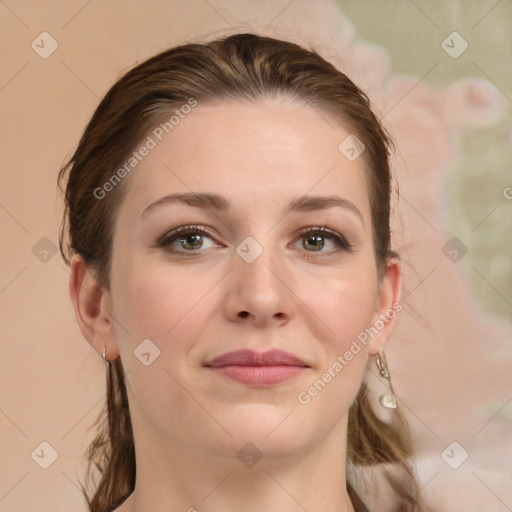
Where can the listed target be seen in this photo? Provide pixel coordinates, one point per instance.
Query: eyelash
(168, 237)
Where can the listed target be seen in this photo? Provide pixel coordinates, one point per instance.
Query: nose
(259, 293)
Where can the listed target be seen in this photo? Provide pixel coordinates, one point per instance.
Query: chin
(271, 428)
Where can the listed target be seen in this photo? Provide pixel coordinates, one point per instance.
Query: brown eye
(194, 241)
(189, 238)
(314, 240)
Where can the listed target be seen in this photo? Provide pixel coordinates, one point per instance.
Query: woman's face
(256, 281)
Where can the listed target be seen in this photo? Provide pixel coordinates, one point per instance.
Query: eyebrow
(220, 203)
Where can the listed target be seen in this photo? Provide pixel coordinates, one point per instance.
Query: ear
(387, 305)
(92, 304)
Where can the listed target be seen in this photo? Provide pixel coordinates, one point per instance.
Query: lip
(258, 368)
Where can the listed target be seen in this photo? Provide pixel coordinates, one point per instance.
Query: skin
(189, 422)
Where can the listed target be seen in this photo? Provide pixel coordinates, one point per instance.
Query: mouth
(260, 369)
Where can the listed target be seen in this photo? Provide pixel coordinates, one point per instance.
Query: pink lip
(258, 368)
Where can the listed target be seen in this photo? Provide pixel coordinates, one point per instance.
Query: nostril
(244, 314)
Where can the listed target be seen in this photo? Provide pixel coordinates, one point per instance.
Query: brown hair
(244, 67)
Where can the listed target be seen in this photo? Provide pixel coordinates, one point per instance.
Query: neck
(183, 477)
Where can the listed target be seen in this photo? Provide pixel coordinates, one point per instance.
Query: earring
(388, 401)
(104, 355)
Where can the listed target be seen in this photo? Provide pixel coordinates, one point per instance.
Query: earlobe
(92, 306)
(387, 305)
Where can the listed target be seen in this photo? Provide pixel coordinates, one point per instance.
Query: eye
(192, 238)
(186, 239)
(314, 240)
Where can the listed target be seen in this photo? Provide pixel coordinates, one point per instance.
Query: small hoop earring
(388, 401)
(104, 355)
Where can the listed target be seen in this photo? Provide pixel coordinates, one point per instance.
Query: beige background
(451, 119)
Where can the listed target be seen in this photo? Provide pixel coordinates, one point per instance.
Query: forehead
(277, 147)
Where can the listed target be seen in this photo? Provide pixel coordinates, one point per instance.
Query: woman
(228, 217)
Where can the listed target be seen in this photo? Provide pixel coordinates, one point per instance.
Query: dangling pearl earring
(388, 401)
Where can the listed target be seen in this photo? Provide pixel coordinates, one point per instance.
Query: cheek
(344, 309)
(342, 304)
(162, 304)
(341, 308)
